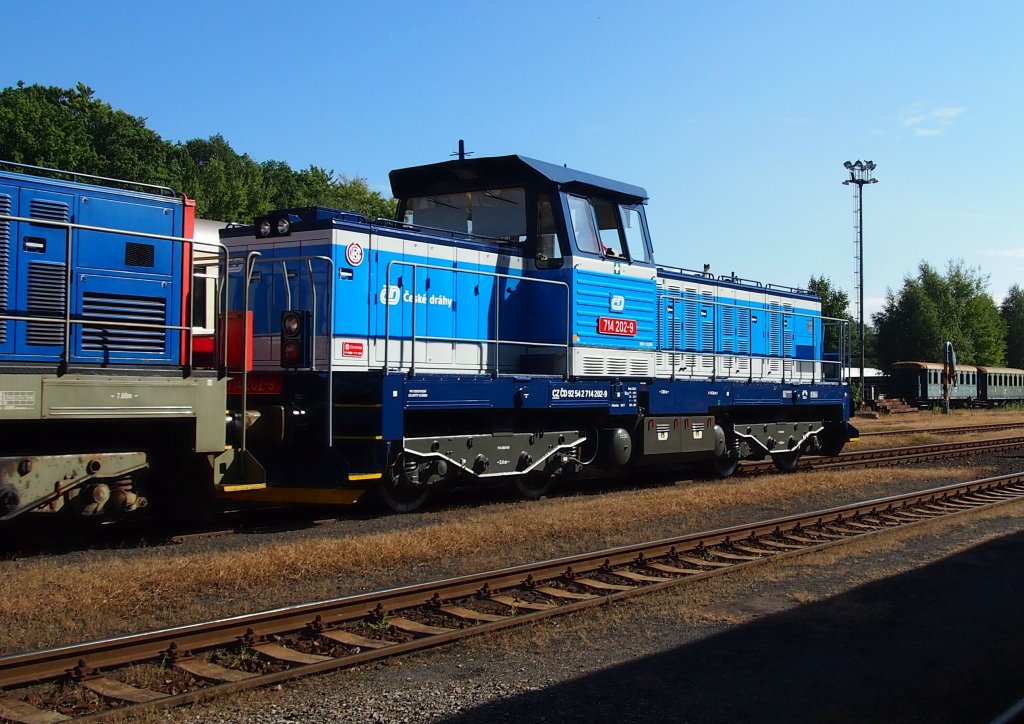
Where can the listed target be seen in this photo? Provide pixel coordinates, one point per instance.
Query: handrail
(732, 278)
(674, 348)
(250, 262)
(223, 257)
(497, 306)
(465, 235)
(164, 190)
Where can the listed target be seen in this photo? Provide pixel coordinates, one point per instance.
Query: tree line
(932, 307)
(70, 128)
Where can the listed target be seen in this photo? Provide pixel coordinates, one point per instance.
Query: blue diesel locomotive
(101, 406)
(511, 325)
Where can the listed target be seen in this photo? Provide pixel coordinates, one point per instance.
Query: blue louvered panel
(49, 209)
(98, 307)
(5, 262)
(46, 298)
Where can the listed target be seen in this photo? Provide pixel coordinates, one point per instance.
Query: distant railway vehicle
(510, 325)
(999, 385)
(920, 384)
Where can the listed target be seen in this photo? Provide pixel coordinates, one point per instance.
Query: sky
(736, 116)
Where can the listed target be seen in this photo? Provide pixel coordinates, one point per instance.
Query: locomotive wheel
(400, 494)
(725, 465)
(533, 485)
(831, 448)
(401, 497)
(787, 462)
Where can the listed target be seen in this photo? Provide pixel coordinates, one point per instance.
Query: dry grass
(926, 419)
(924, 437)
(112, 594)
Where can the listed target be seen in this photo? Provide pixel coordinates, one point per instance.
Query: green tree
(69, 128)
(933, 307)
(834, 304)
(1012, 312)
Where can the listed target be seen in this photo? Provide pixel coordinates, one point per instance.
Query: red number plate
(258, 385)
(612, 325)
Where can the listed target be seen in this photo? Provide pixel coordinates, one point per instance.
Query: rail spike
(174, 654)
(81, 671)
(249, 639)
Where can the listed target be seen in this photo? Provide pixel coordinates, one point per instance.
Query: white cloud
(930, 122)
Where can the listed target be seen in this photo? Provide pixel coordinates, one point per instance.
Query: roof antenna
(462, 151)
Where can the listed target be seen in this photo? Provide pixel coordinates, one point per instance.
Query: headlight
(290, 324)
(265, 228)
(283, 226)
(290, 353)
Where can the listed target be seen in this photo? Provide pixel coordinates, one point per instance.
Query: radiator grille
(593, 365)
(117, 308)
(639, 368)
(617, 366)
(46, 285)
(136, 254)
(5, 261)
(47, 209)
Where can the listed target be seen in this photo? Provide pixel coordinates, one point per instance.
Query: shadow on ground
(943, 643)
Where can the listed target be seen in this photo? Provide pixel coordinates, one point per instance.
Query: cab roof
(504, 171)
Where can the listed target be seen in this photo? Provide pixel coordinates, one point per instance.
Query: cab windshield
(498, 214)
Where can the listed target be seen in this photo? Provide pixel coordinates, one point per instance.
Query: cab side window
(608, 229)
(583, 226)
(549, 252)
(632, 225)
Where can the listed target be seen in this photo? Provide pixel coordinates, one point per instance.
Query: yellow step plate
(240, 487)
(304, 496)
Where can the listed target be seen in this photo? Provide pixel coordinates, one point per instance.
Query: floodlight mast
(860, 174)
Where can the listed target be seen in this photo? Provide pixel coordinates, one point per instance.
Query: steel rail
(965, 430)
(891, 456)
(721, 550)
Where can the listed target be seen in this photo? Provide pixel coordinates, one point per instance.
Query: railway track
(893, 456)
(963, 430)
(99, 679)
(262, 519)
